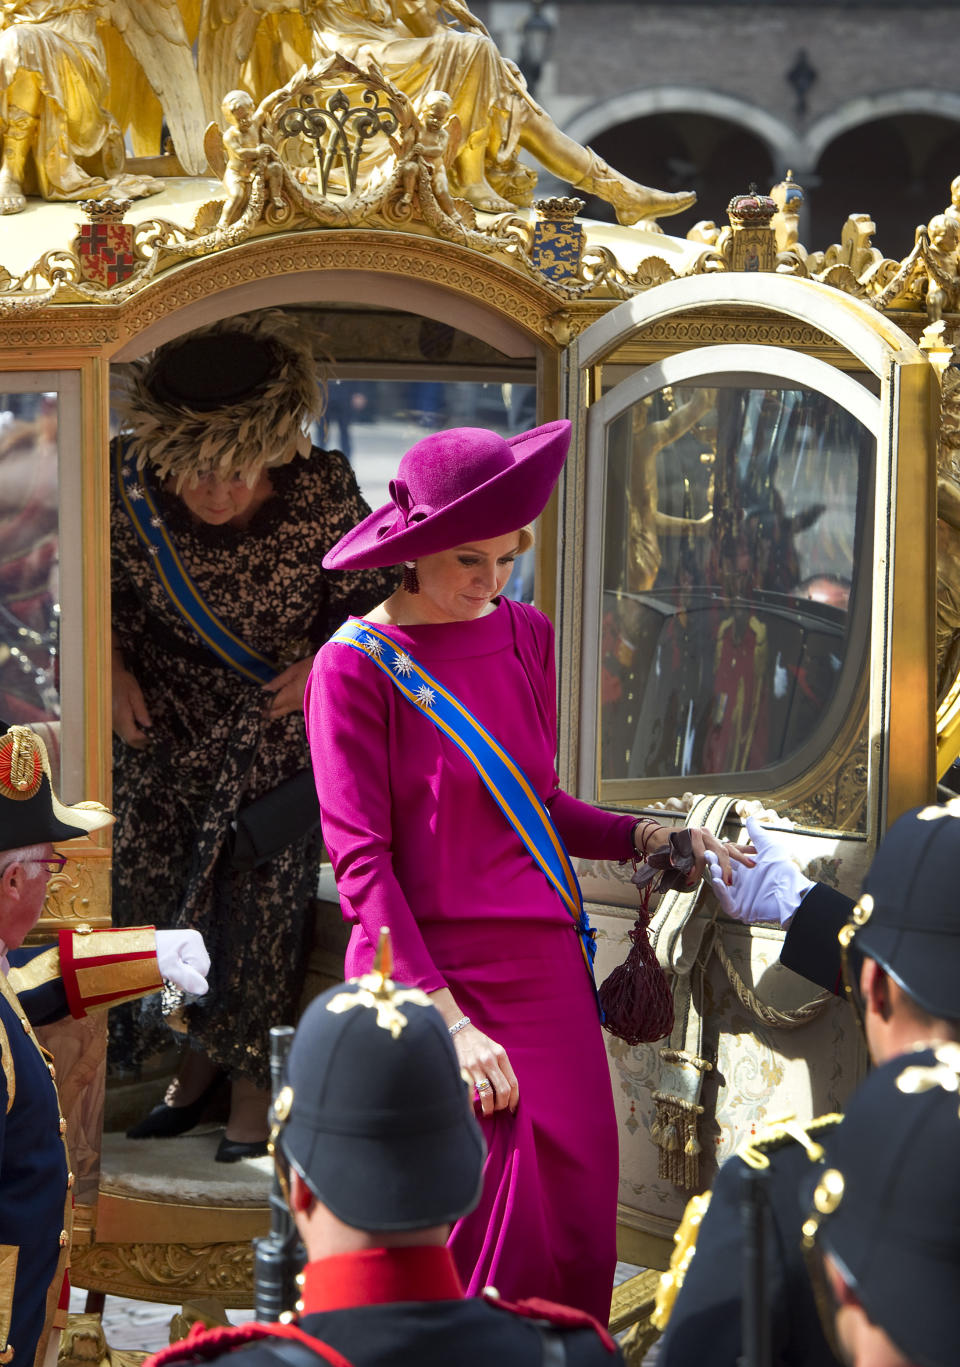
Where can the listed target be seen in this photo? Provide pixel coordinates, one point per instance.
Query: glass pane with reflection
(29, 559)
(733, 516)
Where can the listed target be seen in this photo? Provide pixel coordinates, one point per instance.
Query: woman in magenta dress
(419, 845)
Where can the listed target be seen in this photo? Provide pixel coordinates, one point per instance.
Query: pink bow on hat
(407, 511)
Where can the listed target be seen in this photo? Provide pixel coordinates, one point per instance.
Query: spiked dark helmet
(376, 1116)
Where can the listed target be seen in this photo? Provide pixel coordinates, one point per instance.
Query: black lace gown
(212, 750)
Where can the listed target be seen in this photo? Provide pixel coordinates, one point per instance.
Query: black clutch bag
(270, 823)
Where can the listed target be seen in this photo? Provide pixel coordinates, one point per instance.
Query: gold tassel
(674, 1131)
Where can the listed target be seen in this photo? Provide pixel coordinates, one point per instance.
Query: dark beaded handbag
(636, 999)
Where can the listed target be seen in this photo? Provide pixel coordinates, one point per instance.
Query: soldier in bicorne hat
(37, 986)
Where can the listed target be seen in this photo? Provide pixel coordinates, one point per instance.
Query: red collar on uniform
(380, 1276)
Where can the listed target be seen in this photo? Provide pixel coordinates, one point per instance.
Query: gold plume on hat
(376, 991)
(21, 764)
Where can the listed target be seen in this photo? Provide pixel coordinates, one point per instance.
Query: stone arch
(786, 147)
(943, 104)
(892, 154)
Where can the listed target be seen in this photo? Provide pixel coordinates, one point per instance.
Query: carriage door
(746, 571)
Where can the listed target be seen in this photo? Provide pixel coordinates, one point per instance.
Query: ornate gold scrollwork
(154, 1271)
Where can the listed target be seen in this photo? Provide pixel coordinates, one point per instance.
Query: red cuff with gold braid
(101, 967)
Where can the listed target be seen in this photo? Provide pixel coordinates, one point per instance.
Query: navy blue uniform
(405, 1308)
(705, 1322)
(36, 1201)
(811, 947)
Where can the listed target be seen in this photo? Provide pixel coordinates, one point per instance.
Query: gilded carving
(80, 893)
(940, 345)
(161, 1272)
(82, 1344)
(64, 103)
(835, 799)
(485, 279)
(435, 45)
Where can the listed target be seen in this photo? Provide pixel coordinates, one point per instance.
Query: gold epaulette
(787, 1131)
(685, 1245)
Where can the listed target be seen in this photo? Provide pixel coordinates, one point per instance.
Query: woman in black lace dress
(214, 476)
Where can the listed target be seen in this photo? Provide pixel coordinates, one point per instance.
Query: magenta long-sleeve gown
(419, 845)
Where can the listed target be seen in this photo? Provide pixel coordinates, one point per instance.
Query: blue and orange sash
(147, 522)
(506, 782)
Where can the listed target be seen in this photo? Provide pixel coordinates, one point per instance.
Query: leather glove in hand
(182, 959)
(770, 891)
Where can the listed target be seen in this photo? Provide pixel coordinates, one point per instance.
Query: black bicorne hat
(30, 811)
(376, 1115)
(908, 918)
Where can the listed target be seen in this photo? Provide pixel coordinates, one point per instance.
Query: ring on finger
(484, 1086)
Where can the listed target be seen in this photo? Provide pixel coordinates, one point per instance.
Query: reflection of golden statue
(647, 523)
(59, 139)
(420, 52)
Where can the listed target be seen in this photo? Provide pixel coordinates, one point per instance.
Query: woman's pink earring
(411, 582)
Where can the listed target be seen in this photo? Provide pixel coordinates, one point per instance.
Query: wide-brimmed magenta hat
(462, 484)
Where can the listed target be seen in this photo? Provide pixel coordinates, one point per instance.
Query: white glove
(182, 959)
(770, 891)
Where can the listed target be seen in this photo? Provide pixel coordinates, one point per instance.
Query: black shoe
(232, 1150)
(164, 1122)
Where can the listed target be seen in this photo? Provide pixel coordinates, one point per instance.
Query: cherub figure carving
(419, 51)
(59, 137)
(245, 153)
(939, 252)
(436, 143)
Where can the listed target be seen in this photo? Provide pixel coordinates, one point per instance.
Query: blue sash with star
(147, 522)
(503, 778)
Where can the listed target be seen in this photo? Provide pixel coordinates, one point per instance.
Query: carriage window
(29, 559)
(731, 526)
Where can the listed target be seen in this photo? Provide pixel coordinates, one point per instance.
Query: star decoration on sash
(402, 663)
(135, 492)
(425, 696)
(372, 646)
(156, 521)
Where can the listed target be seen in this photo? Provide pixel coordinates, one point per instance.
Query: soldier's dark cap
(886, 1204)
(30, 811)
(908, 917)
(380, 1122)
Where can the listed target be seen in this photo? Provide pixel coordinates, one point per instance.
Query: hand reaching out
(770, 891)
(183, 959)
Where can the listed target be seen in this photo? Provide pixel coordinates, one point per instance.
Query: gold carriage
(741, 560)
